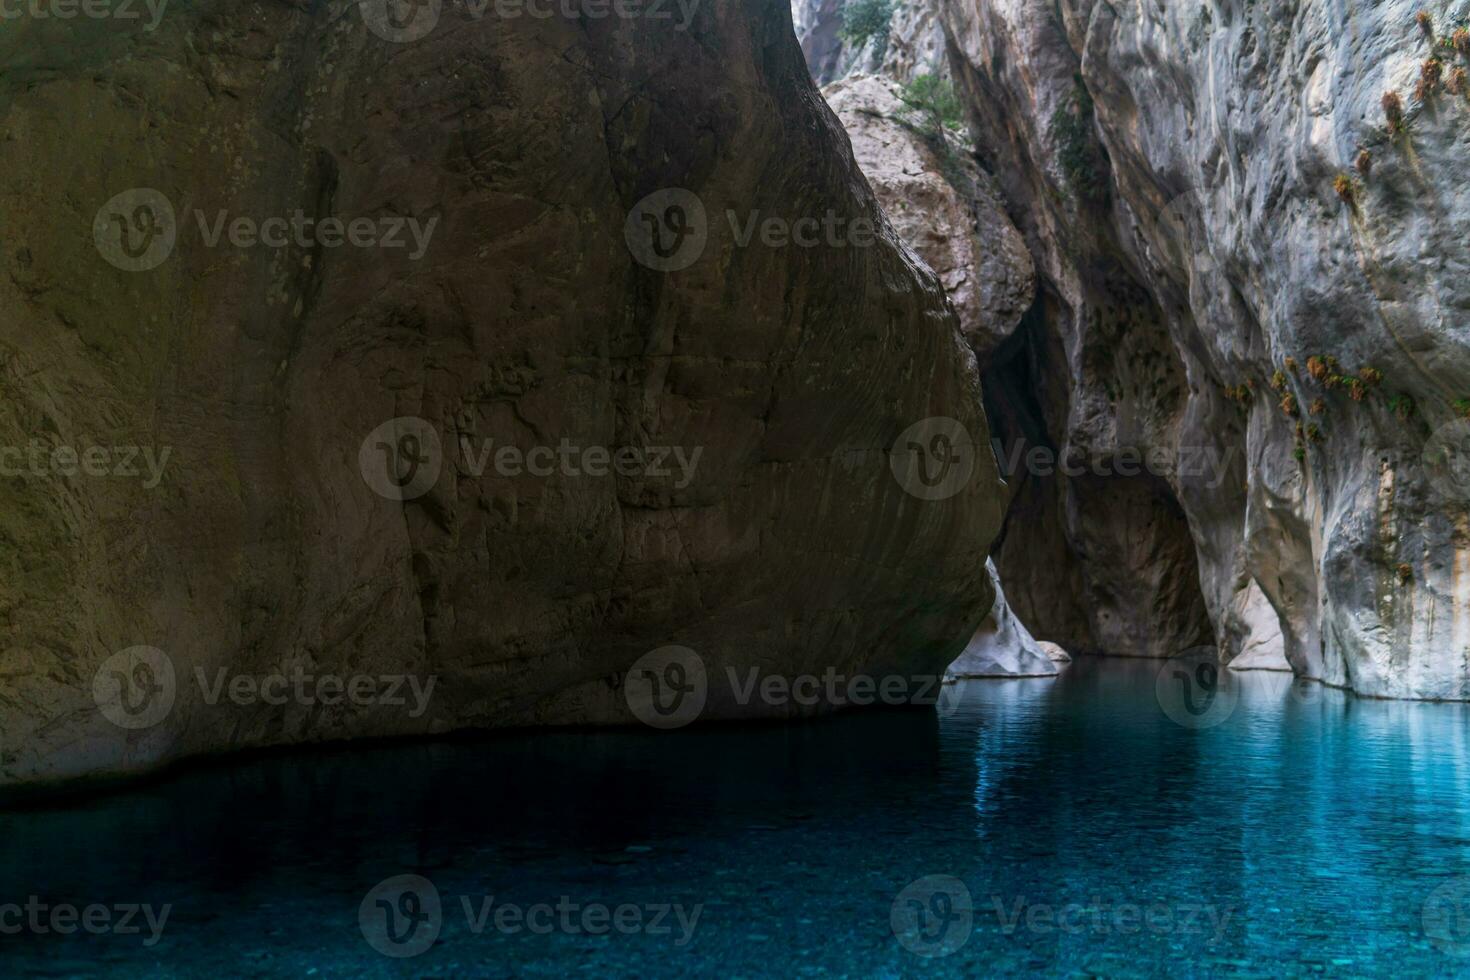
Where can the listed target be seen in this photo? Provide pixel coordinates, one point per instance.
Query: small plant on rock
(1459, 82)
(1393, 111)
(1299, 453)
(1078, 151)
(1278, 381)
(1405, 573)
(1425, 22)
(1290, 363)
(1288, 405)
(1319, 407)
(1364, 163)
(1356, 389)
(1431, 73)
(934, 99)
(1462, 407)
(1314, 432)
(1333, 382)
(1317, 368)
(1461, 41)
(1371, 376)
(1402, 407)
(1343, 184)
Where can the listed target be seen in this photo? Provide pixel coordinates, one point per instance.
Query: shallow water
(1074, 827)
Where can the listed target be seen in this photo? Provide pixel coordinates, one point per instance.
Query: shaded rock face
(297, 528)
(1175, 169)
(818, 29)
(950, 211)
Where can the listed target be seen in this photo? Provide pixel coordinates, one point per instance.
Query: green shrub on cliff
(935, 99)
(1078, 151)
(863, 20)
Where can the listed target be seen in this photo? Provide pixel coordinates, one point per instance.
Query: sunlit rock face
(1003, 647)
(913, 45)
(1214, 194)
(297, 528)
(941, 204)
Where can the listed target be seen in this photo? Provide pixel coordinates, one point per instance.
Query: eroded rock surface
(1002, 646)
(941, 204)
(790, 547)
(1215, 196)
(913, 45)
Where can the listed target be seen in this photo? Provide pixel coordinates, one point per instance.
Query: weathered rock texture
(943, 205)
(914, 45)
(527, 321)
(1002, 646)
(950, 211)
(1175, 168)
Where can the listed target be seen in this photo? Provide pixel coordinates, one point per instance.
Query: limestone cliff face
(913, 46)
(1245, 374)
(942, 204)
(1255, 275)
(333, 499)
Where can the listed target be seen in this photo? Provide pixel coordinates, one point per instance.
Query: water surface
(1308, 832)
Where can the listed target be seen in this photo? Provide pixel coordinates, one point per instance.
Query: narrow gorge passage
(676, 488)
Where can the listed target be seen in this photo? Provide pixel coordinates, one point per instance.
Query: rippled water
(1049, 826)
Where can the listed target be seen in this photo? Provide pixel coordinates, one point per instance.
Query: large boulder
(378, 462)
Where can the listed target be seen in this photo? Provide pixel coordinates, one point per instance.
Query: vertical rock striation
(1254, 295)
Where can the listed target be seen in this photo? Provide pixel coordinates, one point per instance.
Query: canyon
(1247, 222)
(1206, 260)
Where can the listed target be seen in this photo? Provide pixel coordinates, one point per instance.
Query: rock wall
(951, 212)
(333, 499)
(913, 46)
(1251, 333)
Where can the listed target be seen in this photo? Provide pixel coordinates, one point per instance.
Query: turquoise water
(1051, 827)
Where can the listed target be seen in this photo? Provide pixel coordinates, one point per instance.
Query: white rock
(1002, 646)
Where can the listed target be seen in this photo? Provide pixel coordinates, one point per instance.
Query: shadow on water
(1301, 826)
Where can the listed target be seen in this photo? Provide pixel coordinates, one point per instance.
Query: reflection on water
(1303, 832)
